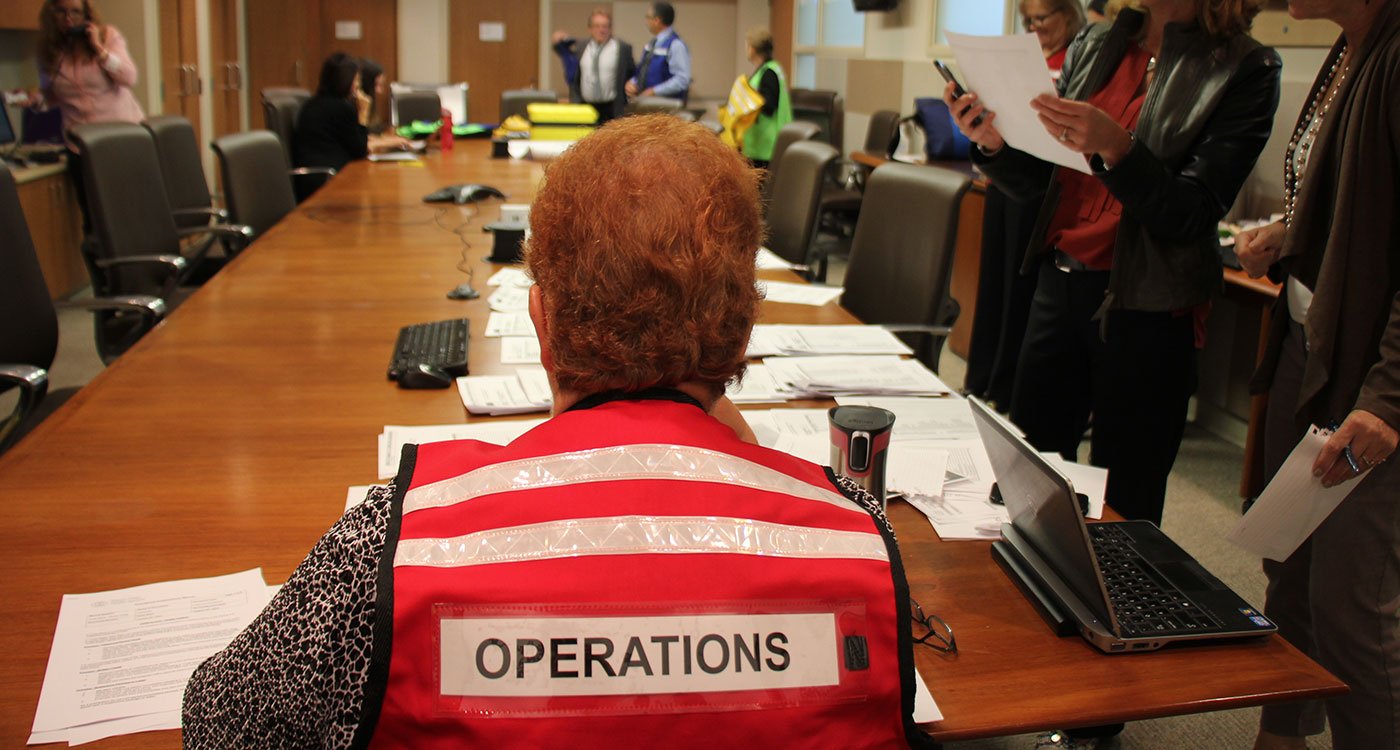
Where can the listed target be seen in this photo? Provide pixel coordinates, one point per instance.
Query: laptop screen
(1039, 499)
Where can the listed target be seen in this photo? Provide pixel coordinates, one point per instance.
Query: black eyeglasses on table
(934, 632)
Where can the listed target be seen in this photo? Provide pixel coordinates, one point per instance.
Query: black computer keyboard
(1145, 603)
(441, 344)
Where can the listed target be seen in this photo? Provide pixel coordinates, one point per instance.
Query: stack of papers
(394, 437)
(855, 375)
(758, 387)
(120, 659)
(525, 391)
(510, 298)
(927, 418)
(799, 294)
(796, 341)
(509, 324)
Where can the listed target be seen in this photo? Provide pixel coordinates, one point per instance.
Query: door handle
(298, 72)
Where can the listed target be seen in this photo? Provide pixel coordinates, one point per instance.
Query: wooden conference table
(226, 438)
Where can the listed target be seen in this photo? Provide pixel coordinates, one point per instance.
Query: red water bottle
(445, 135)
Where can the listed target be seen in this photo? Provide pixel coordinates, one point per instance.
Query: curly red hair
(642, 243)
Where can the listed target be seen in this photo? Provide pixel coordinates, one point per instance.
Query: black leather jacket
(1206, 117)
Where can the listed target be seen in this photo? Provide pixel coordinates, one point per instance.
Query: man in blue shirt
(665, 66)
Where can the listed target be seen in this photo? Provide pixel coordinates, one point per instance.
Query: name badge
(504, 665)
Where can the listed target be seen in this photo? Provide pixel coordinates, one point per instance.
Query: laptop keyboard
(1145, 603)
(442, 344)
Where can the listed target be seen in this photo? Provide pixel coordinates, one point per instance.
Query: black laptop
(1125, 586)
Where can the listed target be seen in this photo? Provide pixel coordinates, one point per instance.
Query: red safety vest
(632, 572)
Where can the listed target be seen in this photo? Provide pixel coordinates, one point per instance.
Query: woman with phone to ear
(1170, 106)
(84, 70)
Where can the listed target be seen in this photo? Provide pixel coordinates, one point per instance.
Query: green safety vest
(759, 139)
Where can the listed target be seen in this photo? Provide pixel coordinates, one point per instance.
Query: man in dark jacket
(599, 76)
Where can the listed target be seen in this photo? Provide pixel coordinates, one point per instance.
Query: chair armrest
(302, 171)
(210, 211)
(223, 231)
(178, 267)
(176, 263)
(916, 328)
(33, 383)
(152, 308)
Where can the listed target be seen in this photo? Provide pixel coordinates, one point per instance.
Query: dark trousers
(606, 110)
(1003, 298)
(1135, 376)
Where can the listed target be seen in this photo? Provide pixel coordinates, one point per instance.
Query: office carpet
(1202, 504)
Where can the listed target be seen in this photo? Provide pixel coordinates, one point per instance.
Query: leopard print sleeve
(296, 676)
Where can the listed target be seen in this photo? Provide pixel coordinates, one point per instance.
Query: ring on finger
(1064, 135)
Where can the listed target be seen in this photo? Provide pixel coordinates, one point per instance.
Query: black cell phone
(948, 76)
(958, 90)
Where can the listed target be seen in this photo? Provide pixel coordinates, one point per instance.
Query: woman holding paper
(1003, 293)
(1169, 106)
(1334, 356)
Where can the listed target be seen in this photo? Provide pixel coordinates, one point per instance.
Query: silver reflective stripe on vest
(617, 463)
(639, 535)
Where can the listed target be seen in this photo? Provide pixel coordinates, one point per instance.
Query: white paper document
(757, 387)
(509, 324)
(856, 375)
(1293, 505)
(510, 276)
(1006, 73)
(799, 294)
(510, 298)
(394, 156)
(769, 340)
(925, 708)
(927, 418)
(520, 350)
(525, 391)
(395, 437)
(768, 260)
(120, 659)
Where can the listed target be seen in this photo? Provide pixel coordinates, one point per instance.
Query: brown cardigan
(1344, 242)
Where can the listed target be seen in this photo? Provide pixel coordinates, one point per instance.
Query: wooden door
(493, 67)
(20, 14)
(283, 46)
(181, 83)
(226, 79)
(376, 22)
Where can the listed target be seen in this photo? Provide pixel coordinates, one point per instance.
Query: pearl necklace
(1305, 135)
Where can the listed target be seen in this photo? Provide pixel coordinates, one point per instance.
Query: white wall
(423, 35)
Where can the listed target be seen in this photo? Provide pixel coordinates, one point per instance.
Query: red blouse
(1086, 221)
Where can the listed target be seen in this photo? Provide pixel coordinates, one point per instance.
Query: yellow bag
(738, 114)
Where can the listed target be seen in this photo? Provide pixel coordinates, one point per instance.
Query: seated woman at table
(332, 128)
(535, 594)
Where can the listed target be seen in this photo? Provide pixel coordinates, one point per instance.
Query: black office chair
(787, 135)
(280, 116)
(135, 247)
(182, 167)
(287, 92)
(29, 337)
(412, 106)
(254, 179)
(825, 109)
(902, 255)
(516, 101)
(842, 193)
(792, 214)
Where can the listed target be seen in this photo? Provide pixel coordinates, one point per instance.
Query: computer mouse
(425, 376)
